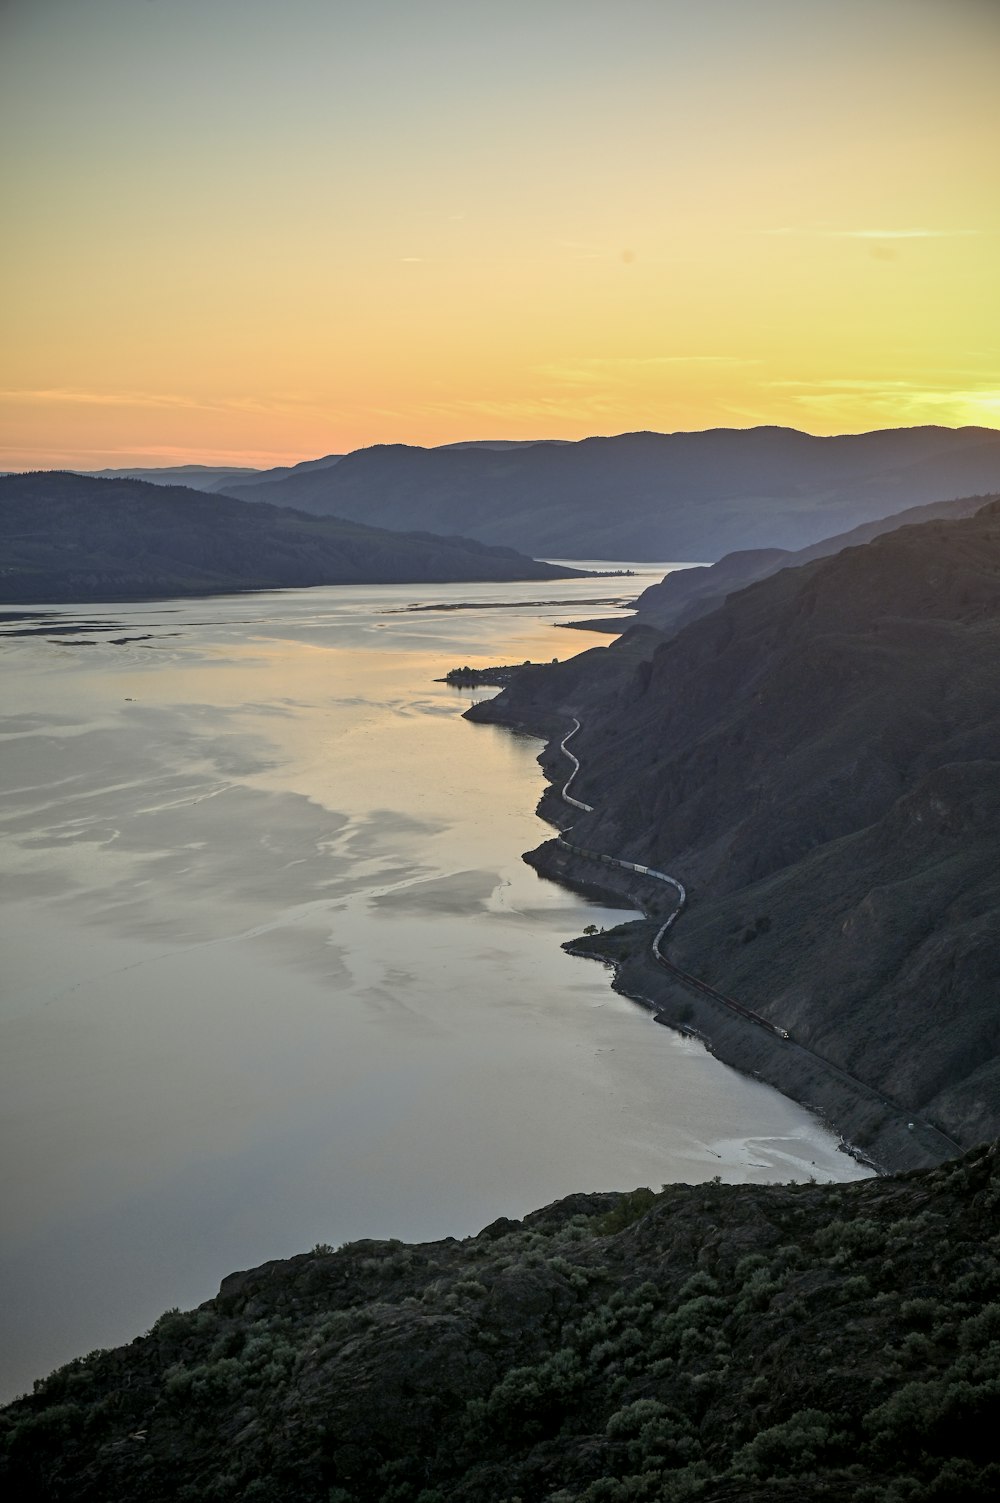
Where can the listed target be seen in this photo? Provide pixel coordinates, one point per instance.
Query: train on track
(702, 986)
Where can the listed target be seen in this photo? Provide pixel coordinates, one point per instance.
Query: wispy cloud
(876, 234)
(278, 403)
(607, 369)
(633, 360)
(847, 383)
(586, 250)
(70, 396)
(899, 400)
(136, 456)
(571, 408)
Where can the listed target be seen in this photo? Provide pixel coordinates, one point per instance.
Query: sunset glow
(243, 232)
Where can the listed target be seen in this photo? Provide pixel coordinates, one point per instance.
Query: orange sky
(241, 232)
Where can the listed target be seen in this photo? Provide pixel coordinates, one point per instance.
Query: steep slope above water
(818, 761)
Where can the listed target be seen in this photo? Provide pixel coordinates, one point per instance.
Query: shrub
(793, 1447)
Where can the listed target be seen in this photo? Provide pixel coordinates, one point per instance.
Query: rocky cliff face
(819, 762)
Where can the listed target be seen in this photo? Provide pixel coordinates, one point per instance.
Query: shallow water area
(274, 971)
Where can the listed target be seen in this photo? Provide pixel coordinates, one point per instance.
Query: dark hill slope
(756, 1344)
(686, 594)
(650, 495)
(66, 537)
(819, 761)
(825, 690)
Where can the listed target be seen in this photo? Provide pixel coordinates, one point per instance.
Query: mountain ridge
(648, 495)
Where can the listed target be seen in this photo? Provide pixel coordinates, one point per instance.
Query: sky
(256, 231)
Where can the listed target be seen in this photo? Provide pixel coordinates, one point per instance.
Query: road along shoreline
(873, 1128)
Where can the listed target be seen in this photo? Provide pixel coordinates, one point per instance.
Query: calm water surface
(274, 972)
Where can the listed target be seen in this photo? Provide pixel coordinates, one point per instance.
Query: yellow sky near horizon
(241, 233)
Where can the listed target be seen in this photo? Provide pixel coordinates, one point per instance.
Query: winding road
(926, 1129)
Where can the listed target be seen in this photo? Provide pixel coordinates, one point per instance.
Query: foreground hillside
(710, 1342)
(818, 762)
(647, 495)
(67, 537)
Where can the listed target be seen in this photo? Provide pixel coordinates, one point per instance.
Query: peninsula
(66, 537)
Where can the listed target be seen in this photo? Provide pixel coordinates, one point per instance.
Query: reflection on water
(275, 972)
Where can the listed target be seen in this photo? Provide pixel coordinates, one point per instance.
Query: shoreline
(873, 1130)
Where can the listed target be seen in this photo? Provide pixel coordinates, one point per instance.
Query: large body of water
(274, 972)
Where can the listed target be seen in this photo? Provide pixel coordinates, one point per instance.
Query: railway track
(675, 970)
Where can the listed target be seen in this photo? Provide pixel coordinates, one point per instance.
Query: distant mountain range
(670, 496)
(282, 472)
(68, 537)
(683, 496)
(818, 759)
(202, 477)
(197, 477)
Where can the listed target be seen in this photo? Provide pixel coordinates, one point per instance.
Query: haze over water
(275, 972)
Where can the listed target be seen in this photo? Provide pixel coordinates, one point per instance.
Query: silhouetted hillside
(65, 537)
(282, 472)
(650, 495)
(734, 1344)
(686, 594)
(818, 761)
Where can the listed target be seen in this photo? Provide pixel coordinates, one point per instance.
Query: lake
(274, 972)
